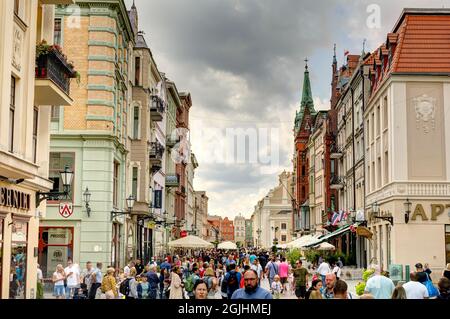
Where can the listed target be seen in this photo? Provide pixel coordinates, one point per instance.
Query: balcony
(335, 152)
(172, 180)
(337, 182)
(171, 141)
(156, 153)
(52, 77)
(156, 108)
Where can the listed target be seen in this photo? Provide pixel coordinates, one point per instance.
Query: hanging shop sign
(364, 232)
(14, 199)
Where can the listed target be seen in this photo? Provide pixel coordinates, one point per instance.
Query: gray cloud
(242, 61)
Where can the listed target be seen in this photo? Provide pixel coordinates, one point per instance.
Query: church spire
(307, 100)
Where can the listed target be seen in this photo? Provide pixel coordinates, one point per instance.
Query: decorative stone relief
(17, 48)
(425, 107)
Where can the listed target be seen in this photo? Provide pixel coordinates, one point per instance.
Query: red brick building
(226, 230)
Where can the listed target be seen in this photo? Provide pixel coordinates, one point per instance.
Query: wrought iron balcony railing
(53, 66)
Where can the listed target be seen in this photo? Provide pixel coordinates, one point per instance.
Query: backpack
(124, 288)
(232, 281)
(189, 284)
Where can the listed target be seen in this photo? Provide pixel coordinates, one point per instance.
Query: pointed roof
(307, 99)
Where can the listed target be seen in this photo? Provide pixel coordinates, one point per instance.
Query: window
(35, 133)
(57, 32)
(115, 245)
(134, 183)
(55, 113)
(385, 113)
(137, 71)
(136, 123)
(372, 126)
(378, 120)
(283, 237)
(283, 226)
(379, 173)
(58, 162)
(115, 184)
(386, 168)
(18, 267)
(12, 110)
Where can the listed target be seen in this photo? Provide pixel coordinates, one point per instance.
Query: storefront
(419, 234)
(18, 240)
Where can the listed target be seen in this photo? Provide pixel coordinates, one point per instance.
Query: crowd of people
(217, 274)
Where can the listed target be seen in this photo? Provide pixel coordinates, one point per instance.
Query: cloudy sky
(243, 63)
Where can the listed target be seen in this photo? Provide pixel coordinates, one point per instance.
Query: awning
(331, 235)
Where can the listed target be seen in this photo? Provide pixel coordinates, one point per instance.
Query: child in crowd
(276, 287)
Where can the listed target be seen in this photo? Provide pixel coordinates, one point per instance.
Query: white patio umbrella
(325, 246)
(190, 242)
(227, 245)
(302, 241)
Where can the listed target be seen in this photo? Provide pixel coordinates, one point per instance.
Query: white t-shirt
(415, 290)
(74, 279)
(126, 271)
(39, 274)
(337, 271)
(324, 269)
(59, 276)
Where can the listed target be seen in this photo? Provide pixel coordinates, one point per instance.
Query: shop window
(115, 246)
(18, 266)
(55, 247)
(58, 161)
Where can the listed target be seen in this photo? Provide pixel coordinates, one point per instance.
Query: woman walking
(109, 284)
(176, 288)
(58, 280)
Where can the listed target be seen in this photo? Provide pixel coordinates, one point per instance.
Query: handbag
(432, 290)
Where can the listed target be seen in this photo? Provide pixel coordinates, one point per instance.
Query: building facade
(201, 213)
(407, 145)
(92, 138)
(272, 217)
(239, 230)
(26, 91)
(248, 233)
(226, 230)
(191, 216)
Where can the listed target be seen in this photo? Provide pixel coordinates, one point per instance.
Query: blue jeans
(323, 279)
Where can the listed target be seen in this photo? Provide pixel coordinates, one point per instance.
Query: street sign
(65, 209)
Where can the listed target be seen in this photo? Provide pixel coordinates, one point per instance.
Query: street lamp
(376, 212)
(66, 178)
(87, 199)
(259, 231)
(407, 205)
(130, 203)
(275, 240)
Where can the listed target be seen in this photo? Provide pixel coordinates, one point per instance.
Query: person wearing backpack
(271, 270)
(232, 279)
(190, 282)
(128, 287)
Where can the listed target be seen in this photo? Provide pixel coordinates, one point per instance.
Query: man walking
(72, 272)
(139, 267)
(232, 280)
(330, 282)
(153, 282)
(96, 281)
(301, 279)
(324, 269)
(284, 271)
(414, 289)
(271, 270)
(379, 286)
(252, 289)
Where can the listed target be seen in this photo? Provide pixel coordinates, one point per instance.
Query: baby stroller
(81, 293)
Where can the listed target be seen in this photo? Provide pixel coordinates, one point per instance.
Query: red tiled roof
(423, 44)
